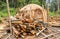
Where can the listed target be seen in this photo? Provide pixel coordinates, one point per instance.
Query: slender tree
(9, 14)
(58, 4)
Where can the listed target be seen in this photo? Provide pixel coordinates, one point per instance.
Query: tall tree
(54, 5)
(58, 4)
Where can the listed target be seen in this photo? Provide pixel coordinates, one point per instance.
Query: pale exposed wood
(39, 32)
(54, 23)
(49, 35)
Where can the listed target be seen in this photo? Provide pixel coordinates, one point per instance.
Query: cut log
(29, 20)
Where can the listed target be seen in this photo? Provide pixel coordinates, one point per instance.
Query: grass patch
(52, 13)
(4, 13)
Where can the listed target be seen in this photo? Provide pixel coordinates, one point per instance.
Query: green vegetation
(0, 20)
(52, 13)
(14, 4)
(58, 13)
(4, 12)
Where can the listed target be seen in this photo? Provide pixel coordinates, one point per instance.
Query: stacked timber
(21, 28)
(30, 20)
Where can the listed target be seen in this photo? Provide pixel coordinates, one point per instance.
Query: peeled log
(16, 32)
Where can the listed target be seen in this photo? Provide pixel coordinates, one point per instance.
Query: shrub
(4, 12)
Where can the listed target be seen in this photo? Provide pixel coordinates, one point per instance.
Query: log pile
(29, 20)
(26, 28)
(54, 21)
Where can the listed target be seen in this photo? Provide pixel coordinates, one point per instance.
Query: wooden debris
(54, 21)
(29, 20)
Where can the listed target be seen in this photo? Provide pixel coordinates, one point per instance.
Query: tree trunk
(8, 13)
(58, 4)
